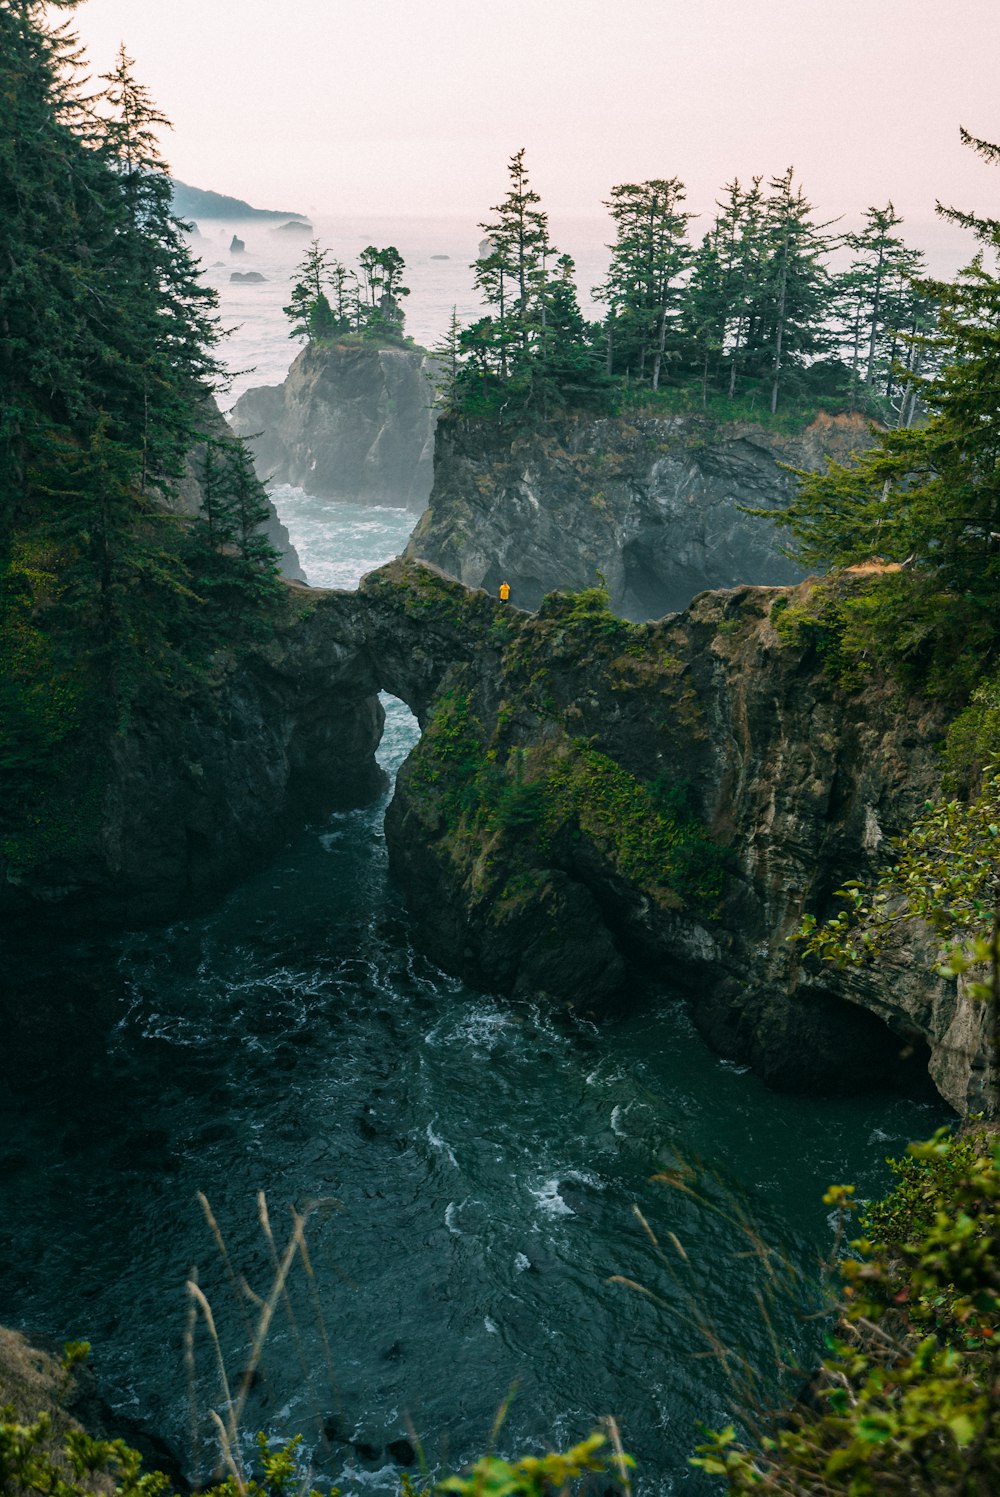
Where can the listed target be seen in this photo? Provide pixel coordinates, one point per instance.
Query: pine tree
(792, 324)
(643, 289)
(929, 495)
(309, 309)
(882, 308)
(705, 311)
(565, 368)
(740, 238)
(382, 270)
(514, 275)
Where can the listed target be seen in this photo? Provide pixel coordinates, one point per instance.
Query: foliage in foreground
(908, 1399)
(85, 1466)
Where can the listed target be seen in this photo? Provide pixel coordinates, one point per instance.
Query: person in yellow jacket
(504, 591)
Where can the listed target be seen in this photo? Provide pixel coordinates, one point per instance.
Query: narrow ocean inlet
(475, 1163)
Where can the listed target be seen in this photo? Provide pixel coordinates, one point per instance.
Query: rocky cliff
(351, 421)
(590, 800)
(652, 503)
(205, 784)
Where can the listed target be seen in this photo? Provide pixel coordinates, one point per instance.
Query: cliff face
(203, 786)
(349, 422)
(653, 503)
(550, 831)
(589, 800)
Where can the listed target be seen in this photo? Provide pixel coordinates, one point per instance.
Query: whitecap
(437, 1142)
(550, 1201)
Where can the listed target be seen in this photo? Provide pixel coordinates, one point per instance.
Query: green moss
(648, 832)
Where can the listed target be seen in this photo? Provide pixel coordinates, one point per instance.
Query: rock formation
(590, 799)
(198, 791)
(652, 503)
(188, 498)
(351, 421)
(554, 828)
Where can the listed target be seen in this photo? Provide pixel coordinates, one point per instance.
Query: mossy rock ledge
(592, 801)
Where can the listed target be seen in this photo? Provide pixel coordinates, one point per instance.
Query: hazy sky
(414, 106)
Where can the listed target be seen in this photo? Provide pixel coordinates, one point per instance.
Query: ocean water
(438, 253)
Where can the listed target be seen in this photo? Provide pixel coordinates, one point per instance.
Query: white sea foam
(437, 1142)
(550, 1201)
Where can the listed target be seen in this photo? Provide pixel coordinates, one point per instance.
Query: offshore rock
(653, 503)
(351, 421)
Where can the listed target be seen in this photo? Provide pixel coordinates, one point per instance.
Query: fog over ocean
(259, 350)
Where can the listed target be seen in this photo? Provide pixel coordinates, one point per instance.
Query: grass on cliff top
(752, 406)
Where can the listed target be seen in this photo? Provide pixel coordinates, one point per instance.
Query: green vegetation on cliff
(750, 319)
(521, 795)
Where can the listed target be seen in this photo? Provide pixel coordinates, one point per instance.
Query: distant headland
(197, 202)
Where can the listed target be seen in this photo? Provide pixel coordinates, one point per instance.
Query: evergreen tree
(741, 243)
(792, 324)
(882, 308)
(643, 289)
(705, 311)
(929, 496)
(107, 355)
(309, 309)
(514, 275)
(565, 368)
(381, 289)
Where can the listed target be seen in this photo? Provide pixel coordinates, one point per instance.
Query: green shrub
(909, 1398)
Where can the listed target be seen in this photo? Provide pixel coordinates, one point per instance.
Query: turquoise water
(477, 1164)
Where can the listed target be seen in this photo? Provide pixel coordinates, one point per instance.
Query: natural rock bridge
(589, 798)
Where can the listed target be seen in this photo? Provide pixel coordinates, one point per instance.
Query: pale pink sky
(413, 106)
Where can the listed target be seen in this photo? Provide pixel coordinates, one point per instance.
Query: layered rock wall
(350, 421)
(655, 504)
(202, 787)
(549, 830)
(591, 801)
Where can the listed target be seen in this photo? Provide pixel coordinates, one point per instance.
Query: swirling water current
(476, 1164)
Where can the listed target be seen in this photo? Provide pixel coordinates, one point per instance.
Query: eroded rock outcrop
(590, 800)
(351, 421)
(550, 828)
(652, 503)
(203, 786)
